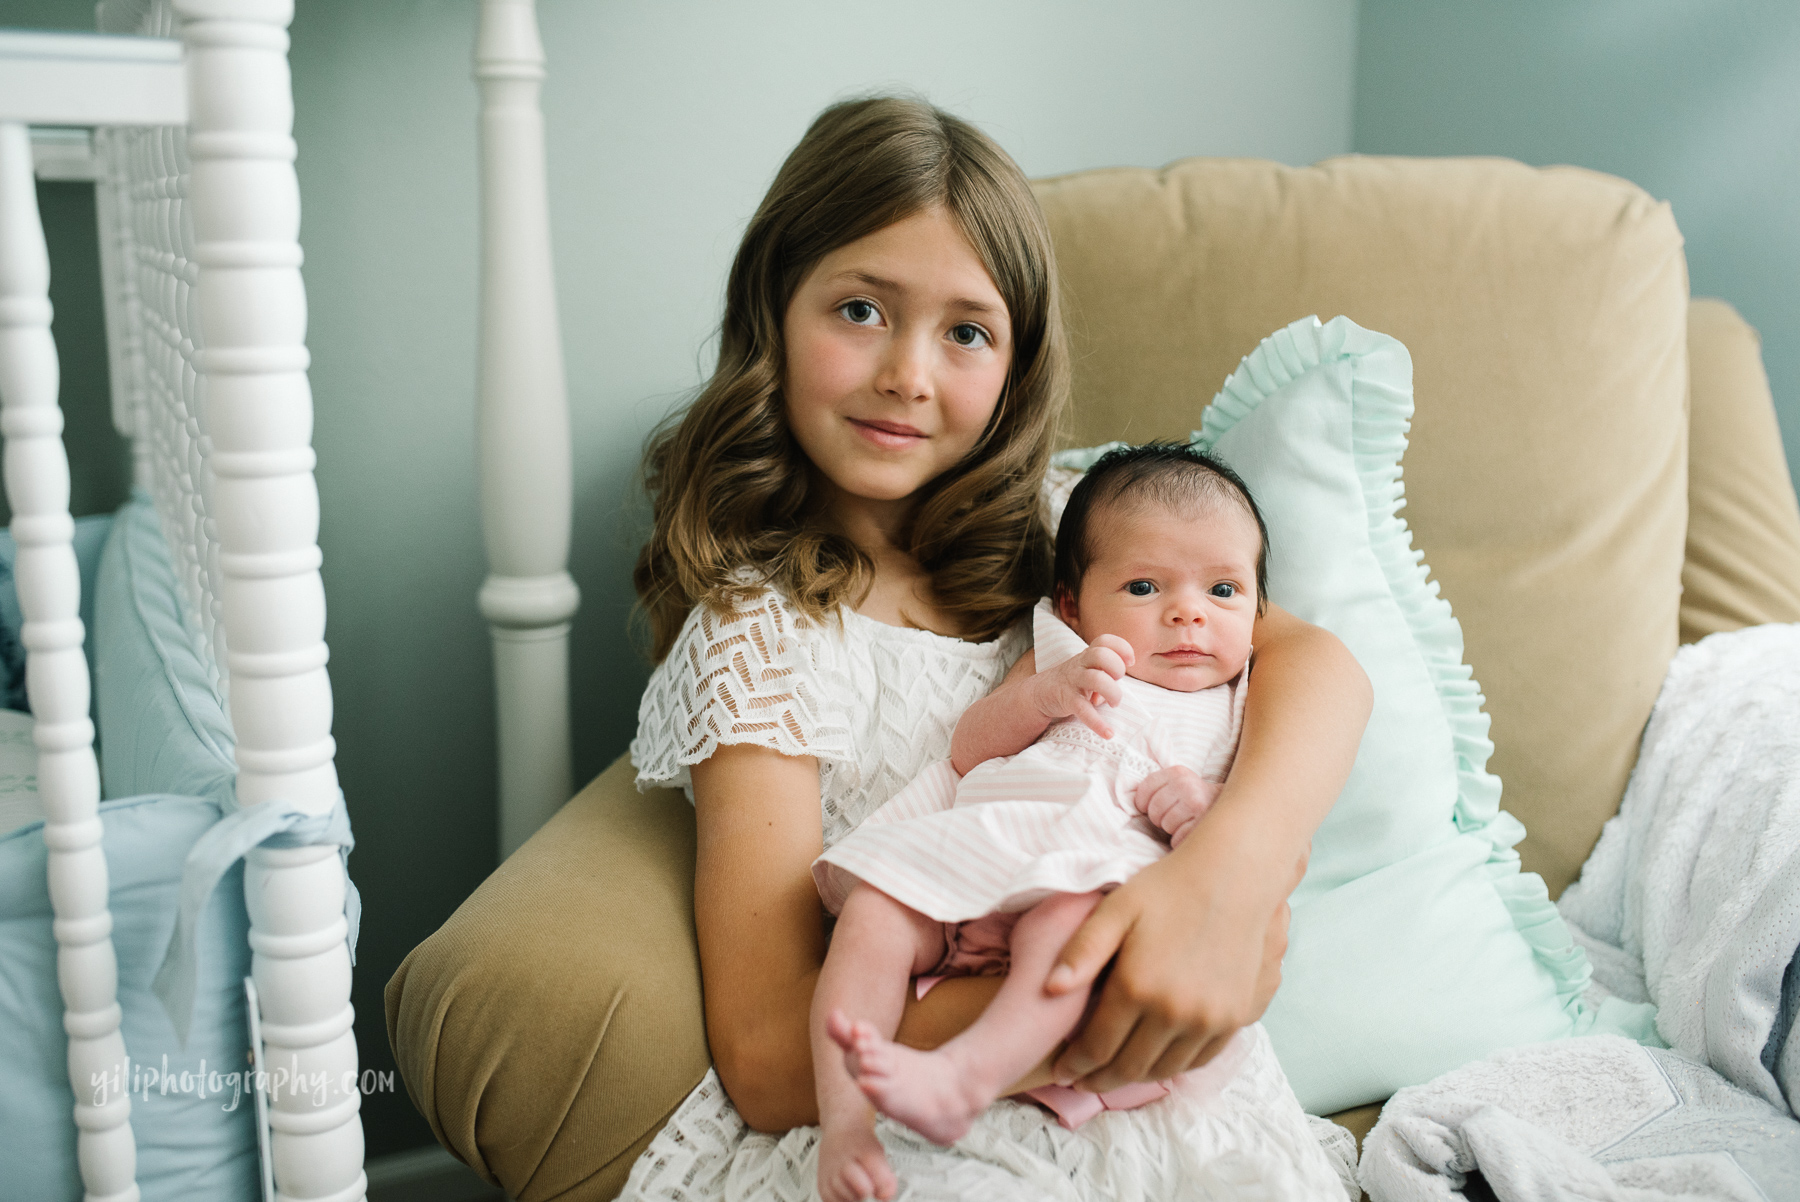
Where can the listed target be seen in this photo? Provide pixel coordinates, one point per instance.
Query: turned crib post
(253, 406)
(528, 597)
(37, 487)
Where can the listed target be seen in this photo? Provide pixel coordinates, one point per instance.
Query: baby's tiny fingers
(1102, 685)
(1104, 659)
(1117, 646)
(1090, 718)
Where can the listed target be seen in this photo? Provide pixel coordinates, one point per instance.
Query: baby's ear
(1065, 607)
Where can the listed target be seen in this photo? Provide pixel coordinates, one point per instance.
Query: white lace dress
(874, 704)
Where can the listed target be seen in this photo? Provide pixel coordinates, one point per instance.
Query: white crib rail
(70, 79)
(526, 492)
(37, 488)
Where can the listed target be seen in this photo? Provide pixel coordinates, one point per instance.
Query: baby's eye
(1140, 588)
(859, 312)
(1224, 589)
(969, 335)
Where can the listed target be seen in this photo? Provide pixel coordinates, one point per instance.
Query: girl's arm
(759, 922)
(1199, 935)
(762, 942)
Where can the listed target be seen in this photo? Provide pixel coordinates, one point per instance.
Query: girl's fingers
(1096, 1045)
(1137, 1057)
(1089, 948)
(1213, 1047)
(1182, 1054)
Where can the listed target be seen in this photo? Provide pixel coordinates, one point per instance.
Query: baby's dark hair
(1171, 473)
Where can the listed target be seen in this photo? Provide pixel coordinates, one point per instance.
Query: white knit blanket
(1691, 900)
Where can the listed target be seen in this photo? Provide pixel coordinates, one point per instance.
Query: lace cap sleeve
(749, 675)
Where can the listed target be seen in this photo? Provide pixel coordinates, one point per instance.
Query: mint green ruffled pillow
(1416, 944)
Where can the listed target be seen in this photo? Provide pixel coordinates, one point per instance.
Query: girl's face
(1180, 587)
(898, 346)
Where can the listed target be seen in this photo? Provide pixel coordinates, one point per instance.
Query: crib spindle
(529, 599)
(249, 460)
(37, 488)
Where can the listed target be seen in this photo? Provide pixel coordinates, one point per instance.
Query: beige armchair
(1594, 476)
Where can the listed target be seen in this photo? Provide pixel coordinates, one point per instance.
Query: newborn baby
(1102, 748)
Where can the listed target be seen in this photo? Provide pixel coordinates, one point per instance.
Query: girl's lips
(891, 436)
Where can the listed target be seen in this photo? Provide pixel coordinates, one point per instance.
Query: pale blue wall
(1696, 100)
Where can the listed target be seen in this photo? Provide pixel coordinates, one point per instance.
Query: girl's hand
(1174, 798)
(1196, 961)
(1077, 687)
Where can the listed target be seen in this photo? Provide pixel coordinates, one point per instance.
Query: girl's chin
(881, 483)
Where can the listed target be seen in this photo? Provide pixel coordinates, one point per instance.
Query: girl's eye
(1140, 588)
(969, 335)
(1224, 589)
(859, 312)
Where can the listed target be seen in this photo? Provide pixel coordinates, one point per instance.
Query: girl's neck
(900, 592)
(878, 527)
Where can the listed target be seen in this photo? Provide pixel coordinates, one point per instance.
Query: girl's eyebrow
(881, 283)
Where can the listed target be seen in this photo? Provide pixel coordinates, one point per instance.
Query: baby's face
(1178, 585)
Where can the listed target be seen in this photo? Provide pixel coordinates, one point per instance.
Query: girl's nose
(905, 371)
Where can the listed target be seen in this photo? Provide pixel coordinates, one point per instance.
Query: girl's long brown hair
(729, 486)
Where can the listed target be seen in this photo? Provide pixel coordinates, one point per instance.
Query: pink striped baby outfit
(1058, 817)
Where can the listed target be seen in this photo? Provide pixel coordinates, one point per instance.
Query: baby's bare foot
(852, 1166)
(928, 1091)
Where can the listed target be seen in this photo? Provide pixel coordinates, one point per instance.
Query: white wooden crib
(199, 212)
(198, 206)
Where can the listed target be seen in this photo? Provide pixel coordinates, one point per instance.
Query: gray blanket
(1690, 900)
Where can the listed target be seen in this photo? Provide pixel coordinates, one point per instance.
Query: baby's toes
(870, 1054)
(840, 1028)
(882, 1182)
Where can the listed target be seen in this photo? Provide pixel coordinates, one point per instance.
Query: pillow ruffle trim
(1381, 416)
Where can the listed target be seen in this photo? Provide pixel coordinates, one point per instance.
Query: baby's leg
(878, 945)
(939, 1094)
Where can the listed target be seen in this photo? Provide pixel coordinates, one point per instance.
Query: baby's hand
(1174, 798)
(1075, 688)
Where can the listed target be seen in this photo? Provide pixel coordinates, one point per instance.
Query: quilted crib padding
(194, 1143)
(553, 1024)
(161, 727)
(1743, 538)
(1546, 313)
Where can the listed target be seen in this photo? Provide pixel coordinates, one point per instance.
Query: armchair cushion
(551, 1026)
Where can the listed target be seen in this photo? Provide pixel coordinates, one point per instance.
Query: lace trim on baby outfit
(1131, 761)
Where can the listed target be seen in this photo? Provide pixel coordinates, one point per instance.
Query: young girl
(848, 536)
(994, 856)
